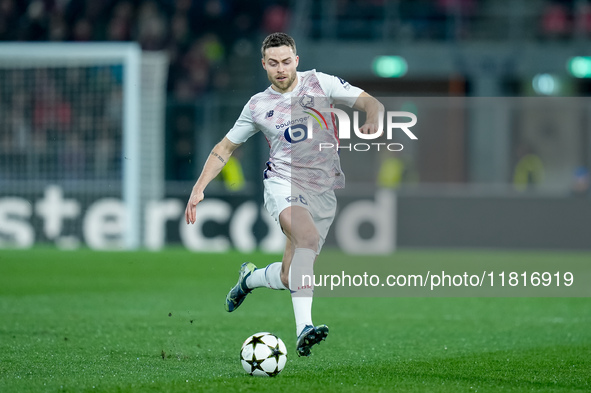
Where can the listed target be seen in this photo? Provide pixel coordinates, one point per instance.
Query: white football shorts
(280, 194)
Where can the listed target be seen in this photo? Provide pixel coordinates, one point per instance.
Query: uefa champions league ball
(263, 354)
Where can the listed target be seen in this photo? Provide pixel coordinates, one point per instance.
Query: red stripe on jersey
(320, 114)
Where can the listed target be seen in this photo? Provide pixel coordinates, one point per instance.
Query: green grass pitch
(83, 321)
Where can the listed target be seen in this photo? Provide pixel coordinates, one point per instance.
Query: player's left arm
(373, 109)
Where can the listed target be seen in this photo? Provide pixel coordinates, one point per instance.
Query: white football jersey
(284, 119)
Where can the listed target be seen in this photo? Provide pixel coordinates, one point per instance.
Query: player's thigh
(280, 195)
(323, 212)
(299, 227)
(275, 192)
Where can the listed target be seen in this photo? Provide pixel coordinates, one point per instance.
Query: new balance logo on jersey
(345, 84)
(270, 113)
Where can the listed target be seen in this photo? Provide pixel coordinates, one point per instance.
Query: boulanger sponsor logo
(300, 120)
(296, 133)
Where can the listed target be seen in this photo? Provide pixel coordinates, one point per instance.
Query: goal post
(86, 118)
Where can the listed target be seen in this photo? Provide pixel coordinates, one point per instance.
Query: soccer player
(300, 178)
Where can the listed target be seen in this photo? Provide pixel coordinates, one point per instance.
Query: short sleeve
(338, 89)
(244, 127)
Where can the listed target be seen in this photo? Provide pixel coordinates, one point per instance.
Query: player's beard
(285, 84)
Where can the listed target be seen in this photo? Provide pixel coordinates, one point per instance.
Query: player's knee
(308, 240)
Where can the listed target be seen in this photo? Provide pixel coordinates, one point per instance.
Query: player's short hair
(278, 39)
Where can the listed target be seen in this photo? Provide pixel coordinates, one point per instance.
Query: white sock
(269, 277)
(301, 285)
(302, 309)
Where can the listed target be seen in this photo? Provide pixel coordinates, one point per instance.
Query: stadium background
(490, 168)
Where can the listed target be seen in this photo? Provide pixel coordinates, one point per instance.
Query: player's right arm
(215, 162)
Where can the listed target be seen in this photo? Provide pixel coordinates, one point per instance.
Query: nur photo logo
(344, 129)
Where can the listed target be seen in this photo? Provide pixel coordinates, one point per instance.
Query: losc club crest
(307, 101)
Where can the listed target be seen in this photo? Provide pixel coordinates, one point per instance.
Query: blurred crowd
(61, 123)
(201, 35)
(409, 20)
(198, 35)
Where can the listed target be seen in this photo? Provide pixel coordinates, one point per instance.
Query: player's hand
(369, 128)
(190, 212)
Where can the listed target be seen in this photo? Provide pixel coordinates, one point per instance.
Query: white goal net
(81, 143)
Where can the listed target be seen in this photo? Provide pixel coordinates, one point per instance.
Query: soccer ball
(263, 354)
